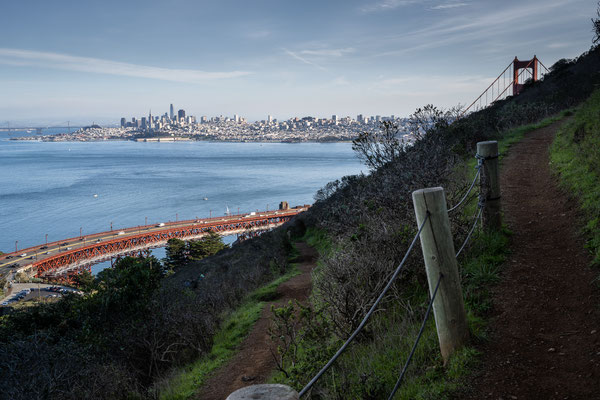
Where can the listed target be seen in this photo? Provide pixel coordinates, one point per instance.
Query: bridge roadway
(71, 255)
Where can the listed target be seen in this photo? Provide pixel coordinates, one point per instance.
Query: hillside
(368, 222)
(143, 327)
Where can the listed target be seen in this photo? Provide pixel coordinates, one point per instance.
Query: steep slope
(545, 320)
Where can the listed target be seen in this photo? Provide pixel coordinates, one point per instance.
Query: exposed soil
(545, 330)
(254, 363)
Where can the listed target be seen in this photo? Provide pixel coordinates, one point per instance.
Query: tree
(206, 246)
(378, 148)
(177, 253)
(85, 281)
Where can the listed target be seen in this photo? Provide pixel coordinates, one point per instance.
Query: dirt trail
(254, 363)
(545, 341)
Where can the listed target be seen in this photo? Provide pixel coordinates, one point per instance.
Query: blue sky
(96, 61)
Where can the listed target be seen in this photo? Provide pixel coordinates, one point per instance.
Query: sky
(97, 61)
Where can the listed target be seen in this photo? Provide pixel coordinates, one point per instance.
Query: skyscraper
(181, 114)
(171, 113)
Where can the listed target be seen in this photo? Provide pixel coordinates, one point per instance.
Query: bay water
(60, 188)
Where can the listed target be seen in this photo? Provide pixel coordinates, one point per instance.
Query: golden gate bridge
(510, 82)
(61, 260)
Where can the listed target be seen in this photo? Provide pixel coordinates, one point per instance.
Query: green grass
(575, 156)
(370, 368)
(318, 239)
(189, 380)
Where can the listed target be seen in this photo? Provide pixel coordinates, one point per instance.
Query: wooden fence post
(440, 258)
(489, 180)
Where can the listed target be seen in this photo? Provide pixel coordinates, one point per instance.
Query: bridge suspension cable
(499, 89)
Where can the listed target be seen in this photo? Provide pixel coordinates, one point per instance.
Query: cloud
(260, 34)
(385, 5)
(340, 81)
(304, 60)
(448, 5)
(329, 52)
(558, 45)
(479, 27)
(101, 66)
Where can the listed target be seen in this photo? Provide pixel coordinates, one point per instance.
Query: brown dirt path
(253, 364)
(545, 340)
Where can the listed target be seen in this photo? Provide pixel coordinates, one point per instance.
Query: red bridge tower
(518, 65)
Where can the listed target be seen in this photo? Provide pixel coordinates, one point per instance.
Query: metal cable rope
(366, 318)
(412, 351)
(478, 167)
(471, 230)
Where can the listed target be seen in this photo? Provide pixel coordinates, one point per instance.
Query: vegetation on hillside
(575, 155)
(139, 322)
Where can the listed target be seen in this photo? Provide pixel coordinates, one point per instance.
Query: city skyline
(96, 61)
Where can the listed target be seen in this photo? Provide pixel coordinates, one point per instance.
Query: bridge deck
(73, 253)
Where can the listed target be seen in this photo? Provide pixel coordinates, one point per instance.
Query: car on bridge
(43, 247)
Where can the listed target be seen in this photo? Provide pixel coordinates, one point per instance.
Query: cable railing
(501, 82)
(369, 313)
(476, 218)
(414, 347)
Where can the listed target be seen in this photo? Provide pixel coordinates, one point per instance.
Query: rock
(551, 350)
(264, 392)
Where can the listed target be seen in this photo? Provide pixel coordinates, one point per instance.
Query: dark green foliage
(180, 253)
(177, 253)
(207, 246)
(302, 342)
(575, 155)
(85, 281)
(109, 344)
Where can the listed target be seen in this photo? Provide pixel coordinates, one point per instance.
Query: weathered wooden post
(440, 259)
(489, 180)
(264, 392)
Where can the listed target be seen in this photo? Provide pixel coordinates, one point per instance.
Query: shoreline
(186, 140)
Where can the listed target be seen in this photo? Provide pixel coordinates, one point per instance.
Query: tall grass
(186, 382)
(575, 156)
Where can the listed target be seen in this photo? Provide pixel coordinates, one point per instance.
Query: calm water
(48, 188)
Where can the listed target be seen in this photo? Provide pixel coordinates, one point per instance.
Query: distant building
(171, 113)
(181, 115)
(270, 119)
(144, 122)
(123, 122)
